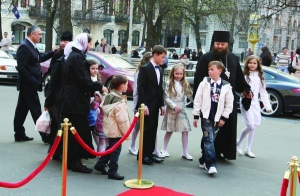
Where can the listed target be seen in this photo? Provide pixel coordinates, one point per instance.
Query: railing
(37, 11)
(94, 15)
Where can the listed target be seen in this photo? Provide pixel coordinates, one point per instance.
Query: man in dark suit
(29, 82)
(150, 93)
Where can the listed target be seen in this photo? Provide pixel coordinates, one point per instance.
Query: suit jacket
(99, 48)
(149, 91)
(28, 65)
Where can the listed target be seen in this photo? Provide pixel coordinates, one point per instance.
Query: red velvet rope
(36, 171)
(91, 151)
(299, 176)
(284, 186)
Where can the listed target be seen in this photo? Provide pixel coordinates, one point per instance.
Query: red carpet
(156, 190)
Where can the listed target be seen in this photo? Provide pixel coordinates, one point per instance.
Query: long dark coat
(225, 141)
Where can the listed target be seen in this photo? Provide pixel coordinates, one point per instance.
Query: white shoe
(166, 154)
(249, 154)
(158, 154)
(212, 170)
(202, 166)
(187, 157)
(133, 151)
(239, 149)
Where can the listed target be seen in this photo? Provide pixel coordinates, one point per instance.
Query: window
(269, 76)
(107, 34)
(135, 38)
(24, 3)
(242, 41)
(19, 33)
(121, 35)
(43, 29)
(203, 39)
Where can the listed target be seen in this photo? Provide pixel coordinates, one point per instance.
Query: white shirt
(5, 43)
(215, 83)
(156, 70)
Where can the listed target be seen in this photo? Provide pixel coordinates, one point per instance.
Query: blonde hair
(185, 85)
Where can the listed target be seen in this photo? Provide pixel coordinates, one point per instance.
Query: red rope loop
(36, 171)
(91, 151)
(284, 186)
(299, 176)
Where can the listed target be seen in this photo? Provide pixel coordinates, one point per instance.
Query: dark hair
(92, 62)
(298, 51)
(159, 49)
(284, 48)
(117, 81)
(145, 59)
(266, 52)
(218, 64)
(89, 38)
(31, 29)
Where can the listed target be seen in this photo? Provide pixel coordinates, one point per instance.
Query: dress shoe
(116, 176)
(164, 153)
(45, 139)
(239, 149)
(158, 154)
(187, 157)
(147, 161)
(101, 169)
(79, 167)
(249, 154)
(56, 157)
(133, 151)
(23, 139)
(156, 160)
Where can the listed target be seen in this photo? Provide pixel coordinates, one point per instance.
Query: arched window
(107, 34)
(19, 33)
(135, 38)
(121, 35)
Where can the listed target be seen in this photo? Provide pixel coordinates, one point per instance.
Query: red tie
(103, 49)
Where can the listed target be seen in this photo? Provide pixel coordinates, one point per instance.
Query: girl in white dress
(254, 76)
(176, 91)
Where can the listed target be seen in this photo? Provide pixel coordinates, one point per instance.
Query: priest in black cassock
(225, 142)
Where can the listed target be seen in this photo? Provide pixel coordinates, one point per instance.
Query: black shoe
(23, 139)
(156, 160)
(116, 176)
(147, 161)
(101, 169)
(56, 157)
(45, 138)
(78, 167)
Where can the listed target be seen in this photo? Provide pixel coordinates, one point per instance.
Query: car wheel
(47, 78)
(276, 104)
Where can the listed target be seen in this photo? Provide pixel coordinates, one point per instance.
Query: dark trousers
(150, 130)
(28, 100)
(113, 158)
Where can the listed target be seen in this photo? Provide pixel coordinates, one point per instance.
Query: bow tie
(156, 67)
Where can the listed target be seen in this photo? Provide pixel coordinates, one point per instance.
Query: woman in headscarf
(77, 88)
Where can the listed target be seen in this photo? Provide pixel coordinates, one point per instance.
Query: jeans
(283, 69)
(208, 153)
(112, 158)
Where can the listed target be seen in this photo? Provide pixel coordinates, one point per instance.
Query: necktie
(156, 67)
(103, 49)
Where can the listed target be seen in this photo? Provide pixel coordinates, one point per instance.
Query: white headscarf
(68, 49)
(80, 42)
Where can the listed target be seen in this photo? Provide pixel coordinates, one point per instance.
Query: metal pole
(130, 33)
(65, 155)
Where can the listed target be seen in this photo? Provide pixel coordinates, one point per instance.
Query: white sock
(250, 138)
(166, 141)
(184, 140)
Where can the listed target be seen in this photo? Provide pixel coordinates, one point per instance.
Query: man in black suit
(29, 82)
(150, 93)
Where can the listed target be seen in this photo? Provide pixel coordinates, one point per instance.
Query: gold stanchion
(140, 183)
(294, 174)
(66, 125)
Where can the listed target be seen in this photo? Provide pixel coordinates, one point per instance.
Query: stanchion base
(144, 184)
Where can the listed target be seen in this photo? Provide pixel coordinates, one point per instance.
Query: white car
(8, 66)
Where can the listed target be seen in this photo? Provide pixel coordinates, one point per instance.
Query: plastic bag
(43, 123)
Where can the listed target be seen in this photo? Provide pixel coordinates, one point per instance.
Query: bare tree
(51, 8)
(65, 22)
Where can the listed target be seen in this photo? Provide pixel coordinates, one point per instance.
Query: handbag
(291, 69)
(43, 123)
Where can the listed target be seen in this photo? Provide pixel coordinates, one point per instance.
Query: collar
(31, 42)
(154, 64)
(218, 82)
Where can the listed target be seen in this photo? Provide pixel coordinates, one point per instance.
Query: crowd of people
(75, 92)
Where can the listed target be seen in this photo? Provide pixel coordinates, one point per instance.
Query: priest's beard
(220, 54)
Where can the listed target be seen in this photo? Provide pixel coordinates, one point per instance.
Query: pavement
(275, 142)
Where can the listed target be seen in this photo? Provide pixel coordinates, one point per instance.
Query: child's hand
(177, 109)
(221, 123)
(195, 122)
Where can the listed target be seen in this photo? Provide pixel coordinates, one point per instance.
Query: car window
(4, 55)
(40, 46)
(269, 76)
(118, 62)
(91, 57)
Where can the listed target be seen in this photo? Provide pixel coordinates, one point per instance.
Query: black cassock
(225, 141)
